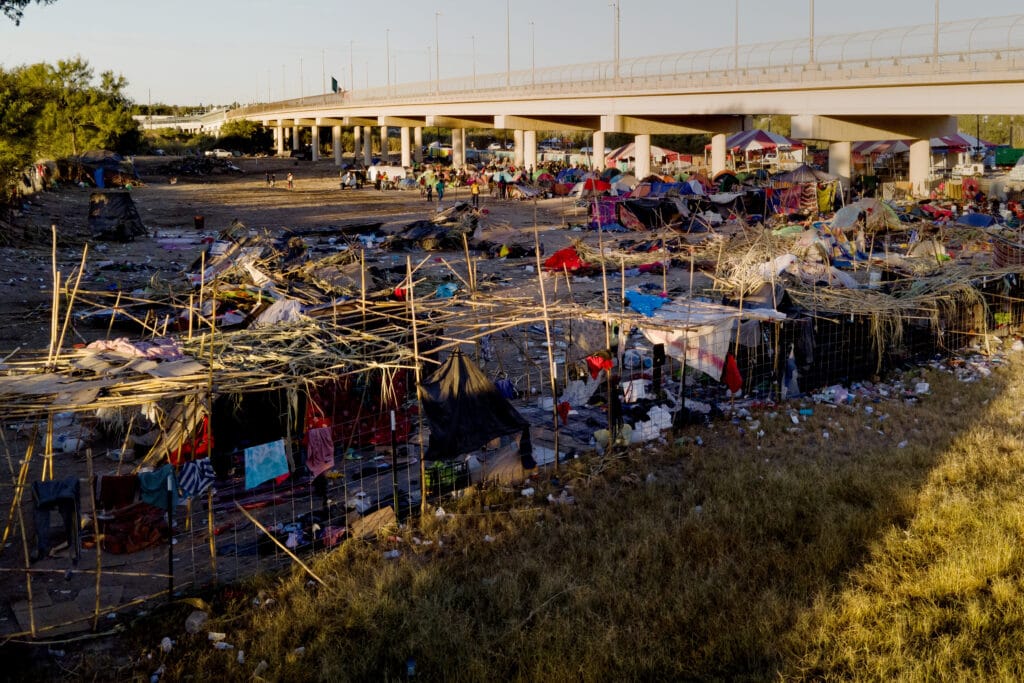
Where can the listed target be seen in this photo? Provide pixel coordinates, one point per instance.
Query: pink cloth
(319, 450)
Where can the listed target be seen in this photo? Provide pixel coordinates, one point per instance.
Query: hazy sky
(221, 51)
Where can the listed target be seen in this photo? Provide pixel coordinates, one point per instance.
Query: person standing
(429, 185)
(474, 192)
(290, 181)
(440, 190)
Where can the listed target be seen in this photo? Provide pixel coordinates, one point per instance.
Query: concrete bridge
(892, 83)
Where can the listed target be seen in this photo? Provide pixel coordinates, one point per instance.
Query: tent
(806, 189)
(627, 154)
(465, 411)
(757, 139)
(878, 214)
(112, 215)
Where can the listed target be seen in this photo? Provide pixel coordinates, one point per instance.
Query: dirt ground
(169, 210)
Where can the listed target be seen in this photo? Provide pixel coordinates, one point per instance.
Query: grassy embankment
(792, 556)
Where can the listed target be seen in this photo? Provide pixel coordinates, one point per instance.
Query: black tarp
(112, 215)
(465, 410)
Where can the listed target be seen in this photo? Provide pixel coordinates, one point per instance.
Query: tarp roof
(628, 152)
(757, 139)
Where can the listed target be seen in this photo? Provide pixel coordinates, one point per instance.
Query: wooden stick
(71, 301)
(96, 536)
(547, 333)
(54, 297)
(280, 545)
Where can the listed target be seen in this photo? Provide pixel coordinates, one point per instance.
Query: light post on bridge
(387, 58)
(533, 54)
(437, 55)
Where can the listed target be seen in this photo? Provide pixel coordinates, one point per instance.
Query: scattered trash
(166, 645)
(194, 622)
(527, 492)
(216, 636)
(221, 645)
(392, 554)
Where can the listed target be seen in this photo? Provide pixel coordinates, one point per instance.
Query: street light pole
(736, 38)
(617, 40)
(508, 44)
(387, 50)
(472, 40)
(935, 38)
(351, 67)
(533, 54)
(810, 44)
(437, 55)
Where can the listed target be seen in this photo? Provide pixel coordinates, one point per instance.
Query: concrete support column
(385, 149)
(717, 153)
(336, 144)
(279, 135)
(315, 131)
(357, 143)
(597, 157)
(367, 146)
(839, 158)
(295, 137)
(406, 147)
(642, 169)
(417, 143)
(517, 154)
(530, 149)
(920, 167)
(458, 147)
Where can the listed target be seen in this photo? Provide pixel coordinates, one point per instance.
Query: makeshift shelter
(626, 155)
(806, 190)
(877, 216)
(112, 215)
(465, 410)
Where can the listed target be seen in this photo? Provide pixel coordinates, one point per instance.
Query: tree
(14, 9)
(17, 121)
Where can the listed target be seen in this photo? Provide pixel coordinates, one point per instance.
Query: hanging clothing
(263, 462)
(319, 450)
(116, 491)
(64, 496)
(154, 487)
(196, 477)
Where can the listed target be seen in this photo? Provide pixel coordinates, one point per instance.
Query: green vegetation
(54, 111)
(799, 555)
(15, 9)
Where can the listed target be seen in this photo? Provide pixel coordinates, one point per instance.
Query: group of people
(272, 180)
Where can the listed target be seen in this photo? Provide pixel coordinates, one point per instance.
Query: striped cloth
(195, 477)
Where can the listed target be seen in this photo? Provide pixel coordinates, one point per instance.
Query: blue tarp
(645, 304)
(976, 220)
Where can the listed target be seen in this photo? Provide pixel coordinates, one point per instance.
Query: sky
(189, 52)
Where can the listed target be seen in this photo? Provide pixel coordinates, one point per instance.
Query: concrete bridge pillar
(336, 144)
(357, 143)
(597, 156)
(458, 147)
(642, 169)
(530, 149)
(367, 146)
(517, 153)
(315, 135)
(920, 167)
(717, 153)
(295, 137)
(279, 139)
(839, 157)
(406, 146)
(417, 143)
(385, 149)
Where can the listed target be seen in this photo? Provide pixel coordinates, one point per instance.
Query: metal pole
(736, 38)
(811, 42)
(282, 83)
(323, 69)
(935, 38)
(473, 42)
(533, 54)
(508, 44)
(268, 85)
(301, 93)
(437, 55)
(618, 40)
(387, 51)
(430, 63)
(351, 68)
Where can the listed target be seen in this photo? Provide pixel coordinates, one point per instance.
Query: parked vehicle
(219, 153)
